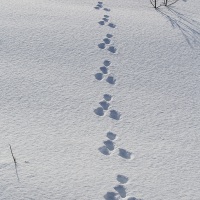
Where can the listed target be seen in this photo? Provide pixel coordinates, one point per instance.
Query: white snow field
(99, 100)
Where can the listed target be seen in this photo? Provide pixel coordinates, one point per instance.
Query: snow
(99, 103)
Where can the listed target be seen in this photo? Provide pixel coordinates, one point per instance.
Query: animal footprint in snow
(99, 76)
(104, 71)
(104, 104)
(105, 20)
(121, 190)
(109, 35)
(112, 49)
(107, 9)
(109, 145)
(99, 111)
(111, 135)
(110, 79)
(106, 63)
(107, 97)
(107, 43)
(102, 46)
(111, 196)
(111, 25)
(115, 114)
(99, 5)
(122, 179)
(101, 23)
(125, 154)
(104, 150)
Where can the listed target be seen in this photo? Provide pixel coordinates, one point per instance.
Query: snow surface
(99, 100)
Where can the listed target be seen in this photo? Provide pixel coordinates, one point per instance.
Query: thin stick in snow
(14, 159)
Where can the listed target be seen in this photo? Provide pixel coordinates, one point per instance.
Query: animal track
(125, 154)
(102, 23)
(111, 196)
(99, 111)
(100, 5)
(105, 105)
(112, 49)
(109, 35)
(115, 115)
(104, 72)
(102, 45)
(119, 194)
(122, 179)
(109, 144)
(105, 20)
(107, 9)
(104, 150)
(106, 42)
(107, 97)
(110, 79)
(99, 76)
(121, 190)
(107, 63)
(111, 135)
(111, 25)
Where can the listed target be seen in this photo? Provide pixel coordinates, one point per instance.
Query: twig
(14, 159)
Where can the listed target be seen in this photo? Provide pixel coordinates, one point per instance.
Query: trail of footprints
(119, 190)
(104, 108)
(104, 73)
(106, 44)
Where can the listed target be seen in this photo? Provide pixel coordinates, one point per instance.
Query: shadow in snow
(188, 27)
